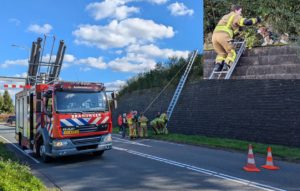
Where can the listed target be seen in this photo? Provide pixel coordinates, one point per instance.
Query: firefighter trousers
(132, 132)
(223, 47)
(143, 131)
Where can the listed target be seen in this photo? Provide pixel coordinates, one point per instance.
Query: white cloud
(119, 52)
(19, 62)
(23, 75)
(158, 1)
(142, 58)
(45, 29)
(92, 62)
(179, 9)
(152, 51)
(132, 63)
(115, 9)
(24, 62)
(69, 58)
(84, 69)
(120, 34)
(15, 21)
(116, 85)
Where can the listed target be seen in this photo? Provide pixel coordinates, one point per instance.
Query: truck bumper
(80, 146)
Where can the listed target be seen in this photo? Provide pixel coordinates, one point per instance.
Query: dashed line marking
(202, 170)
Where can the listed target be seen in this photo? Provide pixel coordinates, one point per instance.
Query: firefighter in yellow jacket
(129, 117)
(223, 34)
(143, 120)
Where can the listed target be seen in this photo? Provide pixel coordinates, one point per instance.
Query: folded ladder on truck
(239, 48)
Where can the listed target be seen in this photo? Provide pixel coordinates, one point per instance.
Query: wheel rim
(42, 150)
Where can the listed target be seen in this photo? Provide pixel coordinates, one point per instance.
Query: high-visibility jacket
(120, 120)
(143, 120)
(129, 119)
(164, 117)
(231, 22)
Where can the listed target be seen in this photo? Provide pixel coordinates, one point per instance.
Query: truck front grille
(86, 147)
(86, 141)
(88, 128)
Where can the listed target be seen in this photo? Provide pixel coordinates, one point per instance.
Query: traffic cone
(269, 164)
(251, 167)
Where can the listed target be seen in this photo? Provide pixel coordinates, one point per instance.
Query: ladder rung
(221, 72)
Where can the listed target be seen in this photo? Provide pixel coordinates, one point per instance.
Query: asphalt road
(157, 165)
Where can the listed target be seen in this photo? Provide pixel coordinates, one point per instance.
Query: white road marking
(202, 170)
(116, 139)
(20, 150)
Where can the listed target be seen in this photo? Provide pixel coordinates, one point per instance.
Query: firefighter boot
(226, 66)
(218, 67)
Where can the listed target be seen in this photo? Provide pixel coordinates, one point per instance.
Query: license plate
(69, 132)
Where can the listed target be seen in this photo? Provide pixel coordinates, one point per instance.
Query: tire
(40, 152)
(98, 153)
(20, 142)
(20, 139)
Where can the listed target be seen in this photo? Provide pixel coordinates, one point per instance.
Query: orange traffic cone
(251, 167)
(269, 164)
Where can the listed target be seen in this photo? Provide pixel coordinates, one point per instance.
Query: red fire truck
(64, 118)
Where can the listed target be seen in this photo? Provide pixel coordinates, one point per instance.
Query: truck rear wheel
(98, 153)
(20, 139)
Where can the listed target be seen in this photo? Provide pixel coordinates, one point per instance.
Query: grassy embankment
(278, 151)
(14, 175)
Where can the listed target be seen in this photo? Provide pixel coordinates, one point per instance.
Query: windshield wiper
(69, 112)
(91, 111)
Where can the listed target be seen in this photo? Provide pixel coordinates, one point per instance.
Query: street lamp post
(24, 48)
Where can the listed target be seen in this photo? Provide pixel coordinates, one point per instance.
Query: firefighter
(120, 122)
(129, 118)
(143, 131)
(163, 123)
(136, 122)
(154, 125)
(223, 35)
(124, 125)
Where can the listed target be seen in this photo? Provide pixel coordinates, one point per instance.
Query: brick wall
(266, 111)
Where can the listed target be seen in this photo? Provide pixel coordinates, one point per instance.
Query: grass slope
(16, 176)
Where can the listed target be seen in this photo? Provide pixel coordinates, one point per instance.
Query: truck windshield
(80, 102)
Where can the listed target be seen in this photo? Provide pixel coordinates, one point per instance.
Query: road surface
(157, 165)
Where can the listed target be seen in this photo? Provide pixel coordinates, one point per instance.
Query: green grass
(16, 176)
(278, 151)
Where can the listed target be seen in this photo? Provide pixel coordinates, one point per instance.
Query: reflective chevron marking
(83, 121)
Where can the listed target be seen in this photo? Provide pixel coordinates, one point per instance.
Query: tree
(7, 106)
(1, 103)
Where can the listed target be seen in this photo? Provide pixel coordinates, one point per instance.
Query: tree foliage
(7, 103)
(163, 74)
(1, 103)
(282, 16)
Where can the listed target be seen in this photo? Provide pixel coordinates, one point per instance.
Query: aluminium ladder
(181, 84)
(40, 71)
(239, 47)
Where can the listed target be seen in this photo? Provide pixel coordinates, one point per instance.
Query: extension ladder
(239, 47)
(181, 84)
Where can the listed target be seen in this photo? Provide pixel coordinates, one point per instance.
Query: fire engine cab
(64, 118)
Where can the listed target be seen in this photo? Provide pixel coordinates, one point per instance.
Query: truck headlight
(59, 143)
(107, 138)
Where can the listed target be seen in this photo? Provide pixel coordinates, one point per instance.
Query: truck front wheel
(41, 152)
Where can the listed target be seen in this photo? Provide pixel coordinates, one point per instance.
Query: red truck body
(64, 118)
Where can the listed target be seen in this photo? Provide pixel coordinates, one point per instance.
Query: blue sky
(107, 41)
